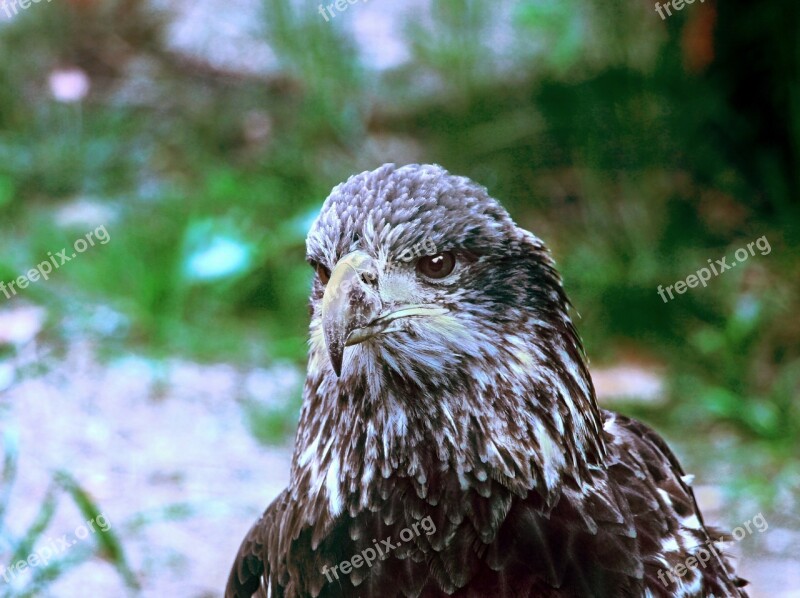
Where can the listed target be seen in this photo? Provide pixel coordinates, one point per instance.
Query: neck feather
(528, 420)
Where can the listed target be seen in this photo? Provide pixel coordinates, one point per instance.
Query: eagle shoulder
(669, 525)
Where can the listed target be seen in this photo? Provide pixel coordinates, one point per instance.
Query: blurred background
(155, 378)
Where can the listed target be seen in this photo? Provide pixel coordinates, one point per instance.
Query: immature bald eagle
(449, 442)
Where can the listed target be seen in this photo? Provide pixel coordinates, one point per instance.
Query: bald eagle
(450, 443)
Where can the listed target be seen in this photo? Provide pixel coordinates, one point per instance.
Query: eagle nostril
(369, 277)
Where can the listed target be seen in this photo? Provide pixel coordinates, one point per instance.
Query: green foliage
(740, 378)
(333, 103)
(272, 425)
(108, 539)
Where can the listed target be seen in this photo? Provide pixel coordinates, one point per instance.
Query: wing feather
(669, 524)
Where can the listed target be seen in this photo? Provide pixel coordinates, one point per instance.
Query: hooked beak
(352, 308)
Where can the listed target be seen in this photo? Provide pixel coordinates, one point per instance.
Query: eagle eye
(322, 272)
(437, 266)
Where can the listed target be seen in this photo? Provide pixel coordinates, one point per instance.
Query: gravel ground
(140, 437)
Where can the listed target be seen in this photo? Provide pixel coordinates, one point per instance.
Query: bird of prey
(449, 442)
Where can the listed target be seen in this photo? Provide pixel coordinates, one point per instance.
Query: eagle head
(420, 277)
(439, 334)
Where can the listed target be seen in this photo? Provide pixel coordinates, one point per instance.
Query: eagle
(449, 441)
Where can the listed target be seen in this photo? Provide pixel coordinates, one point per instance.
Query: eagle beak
(350, 303)
(352, 307)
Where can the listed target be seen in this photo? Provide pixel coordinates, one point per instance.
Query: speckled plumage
(481, 417)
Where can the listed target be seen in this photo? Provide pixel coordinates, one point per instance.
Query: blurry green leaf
(721, 402)
(37, 528)
(107, 539)
(708, 340)
(173, 512)
(10, 462)
(271, 425)
(560, 24)
(6, 190)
